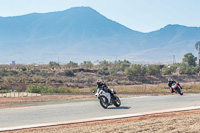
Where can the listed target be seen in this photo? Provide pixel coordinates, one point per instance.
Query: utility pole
(197, 45)
(174, 59)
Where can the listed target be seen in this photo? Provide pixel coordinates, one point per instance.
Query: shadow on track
(119, 107)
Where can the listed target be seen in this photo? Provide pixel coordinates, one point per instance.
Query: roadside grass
(191, 87)
(141, 88)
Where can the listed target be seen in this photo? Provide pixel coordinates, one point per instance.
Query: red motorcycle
(177, 88)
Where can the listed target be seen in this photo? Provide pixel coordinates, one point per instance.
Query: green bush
(5, 91)
(50, 89)
(112, 72)
(103, 71)
(168, 70)
(23, 68)
(153, 70)
(40, 89)
(34, 88)
(13, 72)
(135, 70)
(93, 89)
(128, 71)
(67, 90)
(37, 79)
(69, 73)
(3, 72)
(5, 86)
(185, 68)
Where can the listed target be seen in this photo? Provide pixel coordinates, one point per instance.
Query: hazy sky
(140, 15)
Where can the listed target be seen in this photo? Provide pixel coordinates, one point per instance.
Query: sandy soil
(186, 121)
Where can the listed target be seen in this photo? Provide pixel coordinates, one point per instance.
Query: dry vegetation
(19, 77)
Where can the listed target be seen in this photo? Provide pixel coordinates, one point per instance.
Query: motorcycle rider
(170, 82)
(102, 85)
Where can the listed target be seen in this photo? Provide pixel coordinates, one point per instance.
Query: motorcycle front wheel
(117, 101)
(104, 102)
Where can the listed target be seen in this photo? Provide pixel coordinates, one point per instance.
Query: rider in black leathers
(170, 82)
(103, 86)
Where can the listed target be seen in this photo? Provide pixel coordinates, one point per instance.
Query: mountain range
(81, 33)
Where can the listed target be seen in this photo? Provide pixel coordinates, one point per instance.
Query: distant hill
(81, 33)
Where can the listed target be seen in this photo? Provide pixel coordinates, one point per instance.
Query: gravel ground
(186, 121)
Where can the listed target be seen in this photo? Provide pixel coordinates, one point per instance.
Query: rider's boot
(172, 91)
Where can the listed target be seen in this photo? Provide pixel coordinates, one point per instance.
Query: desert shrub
(103, 71)
(23, 68)
(135, 70)
(37, 79)
(13, 72)
(168, 70)
(20, 88)
(9, 79)
(112, 72)
(104, 64)
(67, 90)
(197, 69)
(124, 65)
(87, 65)
(71, 64)
(69, 73)
(93, 89)
(5, 91)
(190, 59)
(22, 79)
(3, 72)
(89, 80)
(50, 89)
(185, 68)
(153, 69)
(128, 71)
(40, 89)
(33, 89)
(34, 71)
(53, 64)
(5, 86)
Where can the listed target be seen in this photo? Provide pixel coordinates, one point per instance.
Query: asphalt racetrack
(15, 117)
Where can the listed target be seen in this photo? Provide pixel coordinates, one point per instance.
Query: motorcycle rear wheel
(117, 101)
(104, 102)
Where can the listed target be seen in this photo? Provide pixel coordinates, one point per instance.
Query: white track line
(99, 118)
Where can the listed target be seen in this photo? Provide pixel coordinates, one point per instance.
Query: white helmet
(169, 80)
(99, 82)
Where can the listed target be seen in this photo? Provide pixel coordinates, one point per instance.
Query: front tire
(104, 102)
(179, 91)
(117, 101)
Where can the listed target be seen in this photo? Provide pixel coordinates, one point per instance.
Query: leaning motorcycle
(106, 99)
(177, 88)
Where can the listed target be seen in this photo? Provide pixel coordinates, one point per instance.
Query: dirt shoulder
(185, 121)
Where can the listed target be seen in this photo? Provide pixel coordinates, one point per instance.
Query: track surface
(12, 117)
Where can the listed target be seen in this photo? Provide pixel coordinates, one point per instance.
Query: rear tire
(104, 102)
(117, 101)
